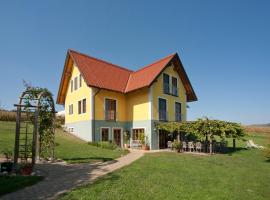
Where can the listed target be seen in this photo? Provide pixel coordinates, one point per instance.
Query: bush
(104, 145)
(59, 121)
(177, 145)
(267, 151)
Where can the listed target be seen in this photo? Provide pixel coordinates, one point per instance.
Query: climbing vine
(41, 97)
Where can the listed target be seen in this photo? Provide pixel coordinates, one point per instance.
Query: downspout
(94, 118)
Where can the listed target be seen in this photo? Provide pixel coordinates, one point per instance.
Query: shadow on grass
(87, 159)
(230, 150)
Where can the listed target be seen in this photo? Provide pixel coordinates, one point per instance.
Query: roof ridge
(149, 65)
(98, 59)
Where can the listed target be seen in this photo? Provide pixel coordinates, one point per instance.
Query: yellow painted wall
(133, 106)
(100, 104)
(158, 92)
(138, 105)
(74, 97)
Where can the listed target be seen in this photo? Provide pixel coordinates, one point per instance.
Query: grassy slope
(241, 175)
(68, 147)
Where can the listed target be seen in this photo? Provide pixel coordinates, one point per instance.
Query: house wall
(138, 109)
(100, 104)
(80, 123)
(158, 92)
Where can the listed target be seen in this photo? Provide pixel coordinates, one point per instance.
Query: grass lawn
(11, 184)
(68, 147)
(244, 174)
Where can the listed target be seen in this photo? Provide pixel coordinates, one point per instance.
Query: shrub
(104, 145)
(267, 151)
(177, 145)
(59, 121)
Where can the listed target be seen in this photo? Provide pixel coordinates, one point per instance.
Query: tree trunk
(210, 147)
(234, 143)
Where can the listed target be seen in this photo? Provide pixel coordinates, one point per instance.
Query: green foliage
(46, 116)
(267, 151)
(204, 128)
(142, 138)
(8, 154)
(104, 145)
(177, 145)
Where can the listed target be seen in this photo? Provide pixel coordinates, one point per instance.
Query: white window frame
(109, 133)
(116, 107)
(121, 135)
(166, 106)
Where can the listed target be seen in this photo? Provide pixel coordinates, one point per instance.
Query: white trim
(121, 135)
(100, 132)
(131, 132)
(72, 109)
(116, 107)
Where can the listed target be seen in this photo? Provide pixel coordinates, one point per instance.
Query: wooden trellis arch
(32, 128)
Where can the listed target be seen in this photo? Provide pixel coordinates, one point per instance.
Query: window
(178, 116)
(110, 109)
(136, 133)
(166, 84)
(80, 81)
(162, 108)
(79, 107)
(174, 86)
(76, 83)
(104, 134)
(70, 109)
(71, 85)
(82, 106)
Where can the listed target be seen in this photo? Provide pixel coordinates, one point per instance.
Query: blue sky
(224, 46)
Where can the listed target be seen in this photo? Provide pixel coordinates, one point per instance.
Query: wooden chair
(190, 146)
(199, 146)
(184, 146)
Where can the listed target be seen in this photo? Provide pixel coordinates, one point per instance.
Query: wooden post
(210, 146)
(17, 136)
(234, 145)
(35, 144)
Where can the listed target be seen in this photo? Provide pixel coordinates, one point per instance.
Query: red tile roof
(145, 76)
(105, 75)
(101, 74)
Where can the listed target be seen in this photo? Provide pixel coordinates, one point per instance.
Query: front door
(117, 136)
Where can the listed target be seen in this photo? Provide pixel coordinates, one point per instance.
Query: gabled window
(70, 109)
(178, 114)
(80, 80)
(174, 86)
(162, 109)
(76, 83)
(110, 109)
(166, 84)
(71, 85)
(82, 106)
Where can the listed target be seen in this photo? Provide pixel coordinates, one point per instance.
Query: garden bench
(135, 144)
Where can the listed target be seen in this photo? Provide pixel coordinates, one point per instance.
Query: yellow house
(106, 102)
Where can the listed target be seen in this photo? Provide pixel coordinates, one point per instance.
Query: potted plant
(145, 143)
(177, 145)
(26, 169)
(126, 140)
